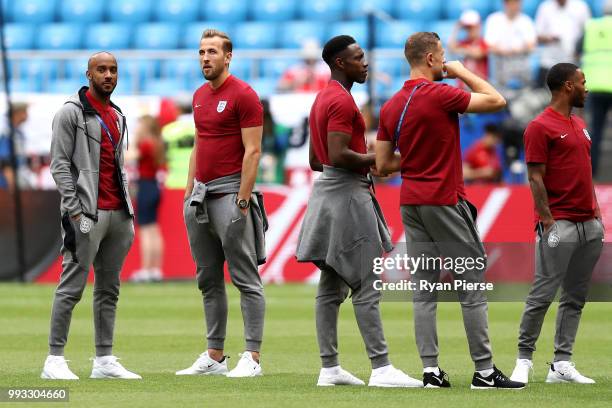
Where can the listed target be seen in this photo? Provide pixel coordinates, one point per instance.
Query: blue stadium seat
(65, 86)
(178, 11)
(242, 68)
(193, 32)
(33, 11)
(139, 69)
(82, 11)
(421, 10)
(596, 7)
(444, 28)
(165, 87)
(75, 68)
(273, 10)
(294, 33)
(255, 35)
(356, 29)
(394, 34)
(157, 36)
(188, 68)
(275, 67)
(357, 8)
(108, 36)
(453, 9)
(322, 10)
(390, 66)
(225, 10)
(130, 11)
(265, 87)
(34, 69)
(125, 86)
(19, 36)
(60, 36)
(24, 85)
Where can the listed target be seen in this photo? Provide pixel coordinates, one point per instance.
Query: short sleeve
(529, 30)
(340, 114)
(250, 109)
(453, 99)
(536, 144)
(383, 131)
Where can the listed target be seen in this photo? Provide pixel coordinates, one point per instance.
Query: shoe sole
(340, 385)
(244, 376)
(555, 380)
(46, 376)
(434, 386)
(224, 374)
(475, 387)
(395, 386)
(95, 376)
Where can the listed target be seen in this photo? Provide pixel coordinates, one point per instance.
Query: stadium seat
(596, 7)
(165, 87)
(34, 69)
(108, 36)
(60, 36)
(453, 9)
(390, 66)
(125, 86)
(177, 11)
(75, 68)
(322, 10)
(33, 11)
(421, 10)
(18, 36)
(193, 32)
(275, 67)
(225, 10)
(141, 70)
(255, 35)
(157, 36)
(65, 86)
(130, 11)
(294, 33)
(357, 9)
(81, 11)
(444, 28)
(265, 87)
(273, 10)
(394, 34)
(24, 85)
(356, 29)
(188, 68)
(242, 68)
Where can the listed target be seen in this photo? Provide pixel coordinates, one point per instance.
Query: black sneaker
(496, 380)
(431, 380)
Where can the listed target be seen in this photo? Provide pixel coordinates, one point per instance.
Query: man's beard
(101, 91)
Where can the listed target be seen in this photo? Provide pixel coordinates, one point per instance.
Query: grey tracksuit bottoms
(105, 246)
(228, 236)
(447, 232)
(568, 265)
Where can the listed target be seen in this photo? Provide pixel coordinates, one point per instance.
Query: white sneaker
(390, 376)
(141, 276)
(337, 376)
(565, 372)
(521, 370)
(205, 365)
(110, 367)
(156, 275)
(247, 367)
(56, 368)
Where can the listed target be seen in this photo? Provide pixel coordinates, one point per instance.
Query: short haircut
(492, 129)
(211, 33)
(334, 46)
(559, 74)
(418, 45)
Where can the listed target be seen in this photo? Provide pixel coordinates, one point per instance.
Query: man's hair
(418, 45)
(227, 42)
(334, 46)
(558, 74)
(492, 129)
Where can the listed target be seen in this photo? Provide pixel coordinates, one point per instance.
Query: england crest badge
(221, 106)
(586, 133)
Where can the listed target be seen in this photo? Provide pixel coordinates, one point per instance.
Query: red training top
(479, 156)
(109, 192)
(147, 161)
(563, 144)
(431, 166)
(334, 110)
(219, 115)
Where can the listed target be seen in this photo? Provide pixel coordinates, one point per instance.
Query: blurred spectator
(472, 47)
(559, 24)
(168, 112)
(596, 63)
(511, 37)
(311, 75)
(274, 144)
(151, 159)
(179, 137)
(481, 163)
(24, 175)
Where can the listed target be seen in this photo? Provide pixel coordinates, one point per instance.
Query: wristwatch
(242, 204)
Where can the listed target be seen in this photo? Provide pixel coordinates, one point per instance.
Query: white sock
(330, 370)
(435, 370)
(381, 370)
(104, 359)
(485, 373)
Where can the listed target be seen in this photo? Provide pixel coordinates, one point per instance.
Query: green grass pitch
(160, 329)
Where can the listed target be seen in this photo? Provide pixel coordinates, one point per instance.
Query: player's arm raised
(341, 156)
(251, 139)
(484, 97)
(535, 174)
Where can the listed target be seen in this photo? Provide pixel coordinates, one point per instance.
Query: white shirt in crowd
(565, 22)
(509, 35)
